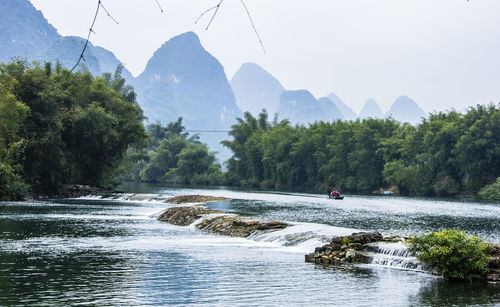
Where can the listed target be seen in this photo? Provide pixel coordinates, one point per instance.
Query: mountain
(346, 111)
(67, 49)
(371, 110)
(405, 109)
(98, 60)
(256, 89)
(23, 30)
(183, 80)
(300, 107)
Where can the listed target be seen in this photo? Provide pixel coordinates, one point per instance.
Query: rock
(309, 257)
(346, 249)
(220, 223)
(358, 237)
(493, 275)
(238, 226)
(183, 216)
(350, 254)
(356, 246)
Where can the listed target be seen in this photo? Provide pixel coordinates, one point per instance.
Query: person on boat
(329, 192)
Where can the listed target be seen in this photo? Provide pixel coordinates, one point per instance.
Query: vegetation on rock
(453, 253)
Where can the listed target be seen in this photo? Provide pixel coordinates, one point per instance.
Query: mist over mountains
(182, 79)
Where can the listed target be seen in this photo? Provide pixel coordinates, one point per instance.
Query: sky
(443, 54)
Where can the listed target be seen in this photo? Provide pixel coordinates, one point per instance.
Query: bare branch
(158, 3)
(88, 37)
(202, 14)
(253, 26)
(215, 13)
(109, 14)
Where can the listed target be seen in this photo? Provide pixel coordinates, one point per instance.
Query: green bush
(453, 253)
(491, 192)
(346, 241)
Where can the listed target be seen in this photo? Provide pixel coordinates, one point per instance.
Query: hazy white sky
(444, 54)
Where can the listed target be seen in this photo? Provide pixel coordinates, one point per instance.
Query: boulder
(183, 216)
(238, 226)
(216, 221)
(344, 249)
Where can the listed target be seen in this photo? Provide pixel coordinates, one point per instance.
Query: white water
(393, 255)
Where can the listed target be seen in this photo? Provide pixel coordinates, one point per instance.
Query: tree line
(448, 154)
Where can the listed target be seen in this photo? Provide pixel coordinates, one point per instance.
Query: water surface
(103, 252)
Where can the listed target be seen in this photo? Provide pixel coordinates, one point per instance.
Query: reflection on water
(113, 253)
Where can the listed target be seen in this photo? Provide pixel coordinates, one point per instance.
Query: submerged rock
(216, 221)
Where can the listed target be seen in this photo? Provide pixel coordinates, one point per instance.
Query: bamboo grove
(58, 127)
(448, 154)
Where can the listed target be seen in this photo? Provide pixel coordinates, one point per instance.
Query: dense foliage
(455, 254)
(448, 154)
(58, 127)
(173, 156)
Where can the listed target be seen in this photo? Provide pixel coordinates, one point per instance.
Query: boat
(335, 197)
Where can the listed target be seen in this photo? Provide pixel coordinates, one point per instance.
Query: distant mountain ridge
(300, 107)
(256, 89)
(371, 109)
(346, 111)
(25, 32)
(405, 109)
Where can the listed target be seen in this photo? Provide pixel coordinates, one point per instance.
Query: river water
(113, 252)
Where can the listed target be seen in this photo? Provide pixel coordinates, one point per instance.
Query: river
(92, 251)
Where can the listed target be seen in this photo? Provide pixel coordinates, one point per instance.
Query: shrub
(491, 192)
(453, 253)
(346, 241)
